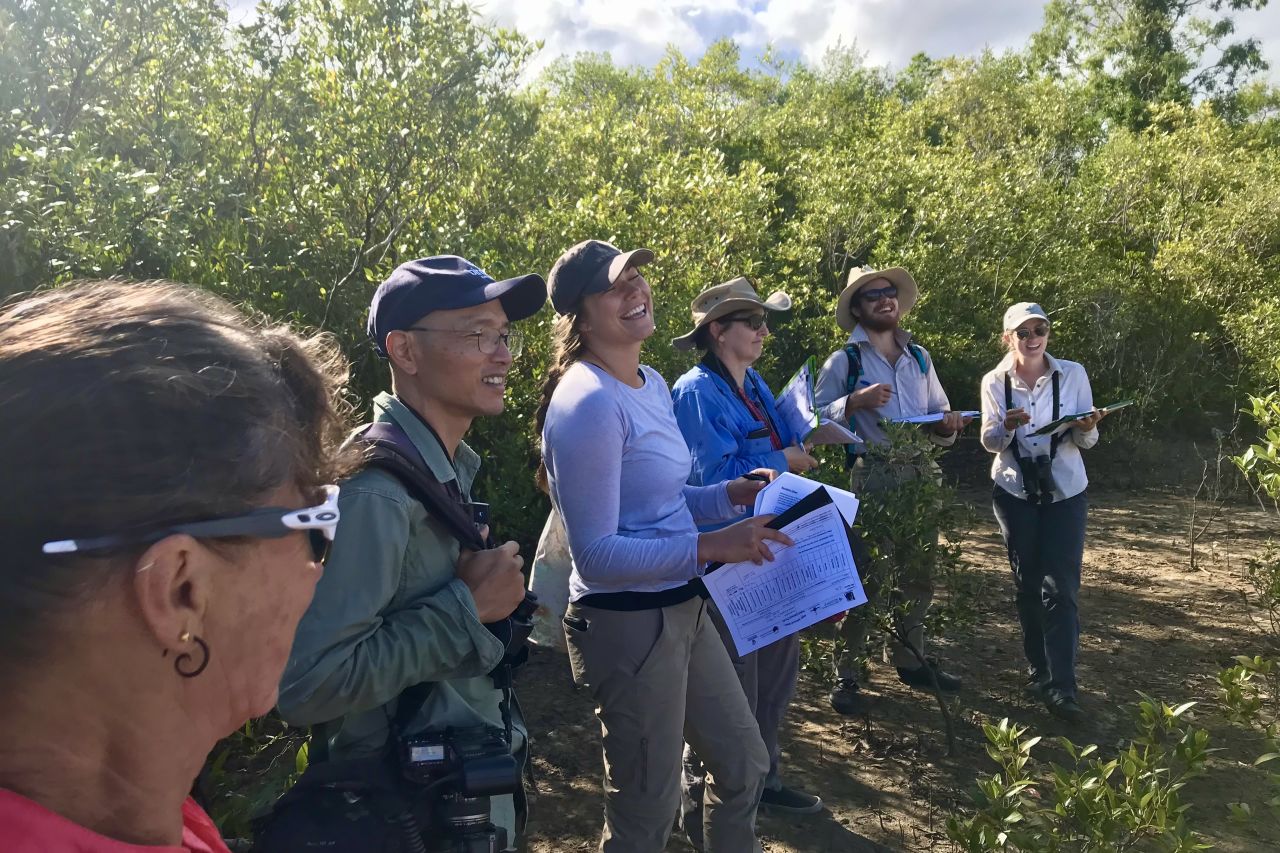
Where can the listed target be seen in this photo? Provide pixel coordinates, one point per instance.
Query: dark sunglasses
(755, 321)
(319, 522)
(889, 292)
(1038, 331)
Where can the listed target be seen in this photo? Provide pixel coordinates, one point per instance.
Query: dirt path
(1150, 624)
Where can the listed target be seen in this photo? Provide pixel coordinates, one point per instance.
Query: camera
(1037, 478)
(465, 766)
(514, 632)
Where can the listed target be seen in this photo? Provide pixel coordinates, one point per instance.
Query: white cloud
(887, 32)
(890, 32)
(633, 32)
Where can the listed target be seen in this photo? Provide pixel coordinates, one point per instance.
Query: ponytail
(567, 348)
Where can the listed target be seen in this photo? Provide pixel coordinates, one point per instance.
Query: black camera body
(464, 768)
(1037, 478)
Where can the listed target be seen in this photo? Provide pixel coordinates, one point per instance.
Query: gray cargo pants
(768, 678)
(660, 678)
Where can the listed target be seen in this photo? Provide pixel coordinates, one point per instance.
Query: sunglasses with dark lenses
(319, 522)
(889, 292)
(1038, 331)
(755, 321)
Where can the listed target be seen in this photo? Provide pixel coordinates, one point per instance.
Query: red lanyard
(760, 416)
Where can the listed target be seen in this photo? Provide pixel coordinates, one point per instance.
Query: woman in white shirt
(1040, 497)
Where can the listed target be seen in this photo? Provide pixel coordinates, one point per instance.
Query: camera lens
(465, 813)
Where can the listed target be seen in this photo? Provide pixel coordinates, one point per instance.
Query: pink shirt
(28, 827)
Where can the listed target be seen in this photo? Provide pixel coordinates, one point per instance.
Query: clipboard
(818, 498)
(1066, 419)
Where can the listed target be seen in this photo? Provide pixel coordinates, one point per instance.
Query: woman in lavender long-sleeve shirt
(638, 635)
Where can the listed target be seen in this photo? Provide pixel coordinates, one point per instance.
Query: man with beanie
(403, 603)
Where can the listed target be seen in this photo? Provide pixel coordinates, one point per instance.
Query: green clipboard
(1066, 419)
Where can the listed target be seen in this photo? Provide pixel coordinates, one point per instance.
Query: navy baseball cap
(441, 283)
(591, 266)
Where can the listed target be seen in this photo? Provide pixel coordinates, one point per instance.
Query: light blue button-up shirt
(914, 392)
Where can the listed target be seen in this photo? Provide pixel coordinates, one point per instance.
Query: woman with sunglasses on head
(163, 516)
(616, 467)
(1040, 497)
(727, 415)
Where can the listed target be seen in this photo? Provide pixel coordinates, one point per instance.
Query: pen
(867, 384)
(754, 476)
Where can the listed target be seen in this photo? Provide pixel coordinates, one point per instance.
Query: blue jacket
(715, 423)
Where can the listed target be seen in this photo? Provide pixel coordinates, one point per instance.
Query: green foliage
(248, 770)
(913, 522)
(1122, 170)
(1261, 461)
(1142, 52)
(1128, 802)
(290, 164)
(1249, 696)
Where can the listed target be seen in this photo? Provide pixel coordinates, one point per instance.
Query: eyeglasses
(755, 321)
(319, 522)
(486, 339)
(889, 292)
(1038, 331)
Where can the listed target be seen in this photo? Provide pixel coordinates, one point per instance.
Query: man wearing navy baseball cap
(404, 602)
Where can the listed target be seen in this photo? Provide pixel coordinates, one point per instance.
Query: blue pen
(866, 384)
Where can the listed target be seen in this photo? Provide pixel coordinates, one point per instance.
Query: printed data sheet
(806, 582)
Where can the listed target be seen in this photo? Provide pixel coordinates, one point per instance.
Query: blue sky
(886, 32)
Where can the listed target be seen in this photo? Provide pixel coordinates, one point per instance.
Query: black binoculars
(1037, 478)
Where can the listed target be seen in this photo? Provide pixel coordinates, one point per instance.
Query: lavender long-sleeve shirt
(617, 465)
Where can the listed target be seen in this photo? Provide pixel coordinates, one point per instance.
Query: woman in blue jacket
(728, 418)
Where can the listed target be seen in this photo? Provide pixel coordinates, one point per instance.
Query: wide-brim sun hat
(908, 292)
(591, 266)
(723, 300)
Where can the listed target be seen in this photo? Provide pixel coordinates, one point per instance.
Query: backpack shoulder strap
(389, 448)
(855, 368)
(917, 352)
(850, 385)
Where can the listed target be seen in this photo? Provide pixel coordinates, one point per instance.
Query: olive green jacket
(389, 613)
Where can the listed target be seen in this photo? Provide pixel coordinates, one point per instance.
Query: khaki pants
(660, 678)
(768, 679)
(914, 589)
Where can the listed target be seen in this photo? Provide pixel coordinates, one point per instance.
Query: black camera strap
(389, 448)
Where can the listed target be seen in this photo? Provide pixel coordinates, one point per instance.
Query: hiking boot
(1035, 686)
(924, 677)
(790, 800)
(1065, 708)
(846, 697)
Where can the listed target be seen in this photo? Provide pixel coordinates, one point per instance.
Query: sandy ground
(1150, 623)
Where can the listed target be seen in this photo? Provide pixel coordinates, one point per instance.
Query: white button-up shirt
(1074, 396)
(915, 392)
